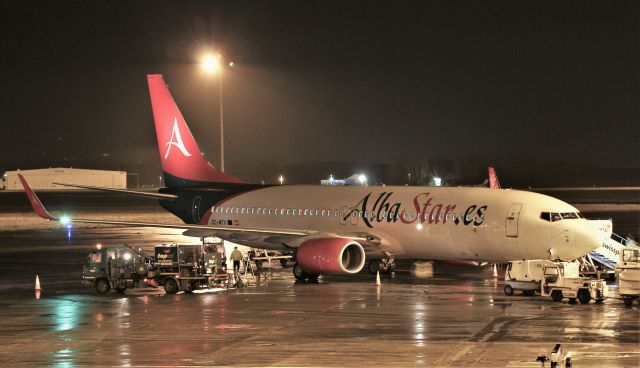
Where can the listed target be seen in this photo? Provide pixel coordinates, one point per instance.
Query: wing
(39, 209)
(132, 192)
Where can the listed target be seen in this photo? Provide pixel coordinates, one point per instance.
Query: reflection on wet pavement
(448, 320)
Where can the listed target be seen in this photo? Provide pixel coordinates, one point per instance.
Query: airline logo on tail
(175, 133)
(493, 179)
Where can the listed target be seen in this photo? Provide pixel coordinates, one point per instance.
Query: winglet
(35, 201)
(493, 179)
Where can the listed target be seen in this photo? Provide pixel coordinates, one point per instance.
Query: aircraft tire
(170, 286)
(583, 296)
(298, 272)
(508, 290)
(374, 266)
(102, 286)
(556, 295)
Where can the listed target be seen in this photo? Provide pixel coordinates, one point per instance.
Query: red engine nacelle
(331, 255)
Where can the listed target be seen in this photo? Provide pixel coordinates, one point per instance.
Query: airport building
(45, 178)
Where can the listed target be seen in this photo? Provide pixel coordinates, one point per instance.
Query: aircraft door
(195, 209)
(511, 226)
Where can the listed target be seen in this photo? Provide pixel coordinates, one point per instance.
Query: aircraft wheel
(583, 296)
(102, 286)
(374, 266)
(508, 290)
(120, 289)
(556, 295)
(298, 272)
(628, 301)
(170, 286)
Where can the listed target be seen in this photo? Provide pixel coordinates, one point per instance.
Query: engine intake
(331, 255)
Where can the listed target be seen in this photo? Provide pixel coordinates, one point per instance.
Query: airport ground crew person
(236, 257)
(216, 259)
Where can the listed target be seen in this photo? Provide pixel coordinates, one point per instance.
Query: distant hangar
(44, 178)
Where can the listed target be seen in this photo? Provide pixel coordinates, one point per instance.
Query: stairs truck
(601, 262)
(628, 272)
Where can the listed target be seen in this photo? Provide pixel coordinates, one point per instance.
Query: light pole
(213, 64)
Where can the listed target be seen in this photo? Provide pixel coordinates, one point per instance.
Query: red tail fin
(179, 153)
(493, 179)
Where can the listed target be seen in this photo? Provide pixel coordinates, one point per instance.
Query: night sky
(371, 82)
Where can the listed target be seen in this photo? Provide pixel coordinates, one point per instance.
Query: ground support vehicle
(562, 281)
(179, 267)
(115, 268)
(628, 272)
(525, 276)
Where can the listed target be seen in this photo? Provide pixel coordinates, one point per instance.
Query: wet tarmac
(451, 320)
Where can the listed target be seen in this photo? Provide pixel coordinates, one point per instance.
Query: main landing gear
(384, 265)
(301, 275)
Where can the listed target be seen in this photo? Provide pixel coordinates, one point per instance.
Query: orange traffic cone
(495, 271)
(378, 283)
(37, 283)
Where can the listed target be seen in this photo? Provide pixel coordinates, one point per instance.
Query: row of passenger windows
(326, 212)
(274, 211)
(555, 216)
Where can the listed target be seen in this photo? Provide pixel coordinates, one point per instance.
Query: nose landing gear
(384, 265)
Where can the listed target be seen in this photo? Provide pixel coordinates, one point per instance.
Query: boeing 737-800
(335, 229)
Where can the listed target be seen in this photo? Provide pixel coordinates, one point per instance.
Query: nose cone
(587, 238)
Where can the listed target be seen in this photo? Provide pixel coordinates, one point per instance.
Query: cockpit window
(580, 215)
(550, 216)
(569, 215)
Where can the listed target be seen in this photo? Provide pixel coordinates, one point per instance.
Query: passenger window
(545, 216)
(555, 217)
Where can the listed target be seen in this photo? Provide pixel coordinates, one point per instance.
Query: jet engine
(331, 255)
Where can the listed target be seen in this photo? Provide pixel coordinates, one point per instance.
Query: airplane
(334, 230)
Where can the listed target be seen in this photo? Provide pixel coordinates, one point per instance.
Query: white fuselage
(437, 223)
